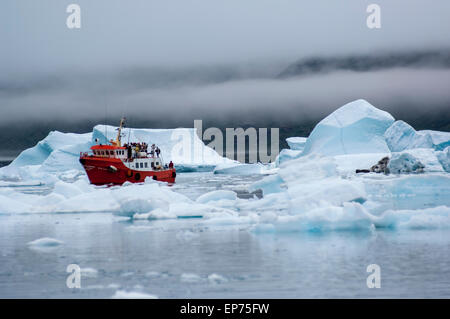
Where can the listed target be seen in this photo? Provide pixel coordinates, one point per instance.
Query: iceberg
(401, 136)
(417, 160)
(357, 127)
(441, 140)
(237, 168)
(287, 155)
(320, 191)
(182, 146)
(43, 149)
(444, 158)
(296, 143)
(58, 153)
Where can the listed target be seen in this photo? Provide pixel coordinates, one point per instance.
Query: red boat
(116, 164)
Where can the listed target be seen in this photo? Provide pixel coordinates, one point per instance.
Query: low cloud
(247, 99)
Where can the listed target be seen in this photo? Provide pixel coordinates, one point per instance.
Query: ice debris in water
(217, 195)
(123, 294)
(45, 242)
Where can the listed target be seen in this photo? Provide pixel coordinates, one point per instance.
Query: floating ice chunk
(45, 242)
(402, 136)
(444, 158)
(405, 163)
(123, 294)
(269, 184)
(240, 169)
(217, 195)
(217, 279)
(296, 143)
(157, 213)
(426, 156)
(287, 155)
(440, 140)
(430, 218)
(411, 191)
(190, 278)
(414, 161)
(130, 207)
(357, 127)
(325, 192)
(350, 216)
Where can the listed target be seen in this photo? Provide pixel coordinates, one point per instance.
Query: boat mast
(119, 132)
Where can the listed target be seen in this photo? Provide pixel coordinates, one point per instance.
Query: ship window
(157, 163)
(145, 165)
(142, 165)
(103, 153)
(152, 164)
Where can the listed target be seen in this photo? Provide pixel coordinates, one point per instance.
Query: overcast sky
(47, 69)
(34, 35)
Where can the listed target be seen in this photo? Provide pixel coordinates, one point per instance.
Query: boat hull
(109, 171)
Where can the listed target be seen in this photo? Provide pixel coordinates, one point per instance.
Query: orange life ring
(129, 173)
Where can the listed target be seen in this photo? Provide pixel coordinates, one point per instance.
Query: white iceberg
(357, 127)
(444, 158)
(296, 143)
(58, 153)
(417, 160)
(441, 140)
(402, 136)
(182, 146)
(287, 155)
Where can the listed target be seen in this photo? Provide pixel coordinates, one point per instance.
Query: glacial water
(189, 258)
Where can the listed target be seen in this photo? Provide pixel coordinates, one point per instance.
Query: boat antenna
(106, 119)
(129, 133)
